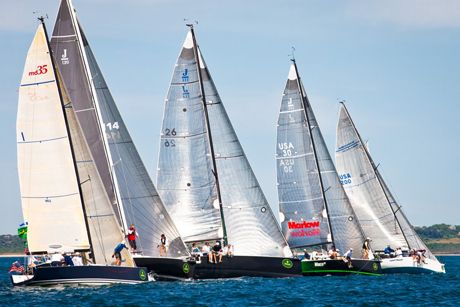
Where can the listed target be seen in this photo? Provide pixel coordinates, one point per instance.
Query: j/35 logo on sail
(64, 58)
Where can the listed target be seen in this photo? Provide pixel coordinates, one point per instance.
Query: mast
(376, 171)
(304, 104)
(90, 81)
(70, 138)
(208, 128)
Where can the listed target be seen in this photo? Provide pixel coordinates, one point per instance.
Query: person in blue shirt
(389, 250)
(306, 255)
(67, 260)
(117, 252)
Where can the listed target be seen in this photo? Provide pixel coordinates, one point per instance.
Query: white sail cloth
(51, 200)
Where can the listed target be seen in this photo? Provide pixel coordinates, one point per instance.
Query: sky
(395, 63)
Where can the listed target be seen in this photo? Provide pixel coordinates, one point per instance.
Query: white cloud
(408, 13)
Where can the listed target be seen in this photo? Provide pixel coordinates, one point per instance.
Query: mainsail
(125, 178)
(380, 216)
(51, 199)
(314, 209)
(194, 184)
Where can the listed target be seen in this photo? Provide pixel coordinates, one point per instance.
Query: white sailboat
(381, 217)
(206, 181)
(63, 200)
(314, 210)
(126, 180)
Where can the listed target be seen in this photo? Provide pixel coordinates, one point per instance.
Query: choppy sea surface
(386, 290)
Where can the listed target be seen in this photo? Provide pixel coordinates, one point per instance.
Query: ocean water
(386, 290)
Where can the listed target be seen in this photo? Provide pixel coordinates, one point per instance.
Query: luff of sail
(249, 221)
(132, 187)
(345, 230)
(51, 199)
(372, 200)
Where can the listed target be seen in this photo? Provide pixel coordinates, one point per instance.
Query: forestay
(137, 198)
(249, 221)
(51, 200)
(320, 190)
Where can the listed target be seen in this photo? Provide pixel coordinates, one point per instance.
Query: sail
(51, 199)
(135, 195)
(381, 217)
(102, 223)
(302, 205)
(186, 180)
(320, 189)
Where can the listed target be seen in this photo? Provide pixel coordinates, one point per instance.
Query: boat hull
(91, 275)
(251, 266)
(167, 268)
(340, 267)
(409, 266)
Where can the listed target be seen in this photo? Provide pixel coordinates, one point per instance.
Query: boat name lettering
(294, 225)
(320, 263)
(345, 179)
(41, 70)
(308, 233)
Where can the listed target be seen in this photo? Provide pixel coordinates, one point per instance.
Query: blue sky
(395, 63)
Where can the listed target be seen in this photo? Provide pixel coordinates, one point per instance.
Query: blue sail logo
(185, 93)
(185, 76)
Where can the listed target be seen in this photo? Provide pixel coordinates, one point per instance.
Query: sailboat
(126, 180)
(64, 204)
(314, 210)
(379, 214)
(206, 182)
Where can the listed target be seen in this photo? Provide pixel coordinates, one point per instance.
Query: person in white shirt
(164, 243)
(347, 256)
(56, 259)
(207, 251)
(228, 250)
(398, 252)
(314, 254)
(77, 260)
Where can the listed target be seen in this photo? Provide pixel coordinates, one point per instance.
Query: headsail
(380, 216)
(51, 199)
(130, 188)
(309, 190)
(249, 221)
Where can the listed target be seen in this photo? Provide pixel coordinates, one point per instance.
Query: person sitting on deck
(217, 250)
(389, 250)
(117, 252)
(77, 261)
(228, 251)
(333, 253)
(306, 255)
(195, 252)
(66, 261)
(347, 257)
(207, 251)
(398, 252)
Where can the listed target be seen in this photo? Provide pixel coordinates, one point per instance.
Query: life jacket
(132, 236)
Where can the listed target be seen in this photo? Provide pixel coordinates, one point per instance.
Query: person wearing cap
(389, 250)
(132, 234)
(366, 248)
(164, 243)
(217, 250)
(306, 255)
(117, 252)
(398, 252)
(347, 256)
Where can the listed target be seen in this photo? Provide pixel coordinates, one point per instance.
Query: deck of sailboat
(340, 267)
